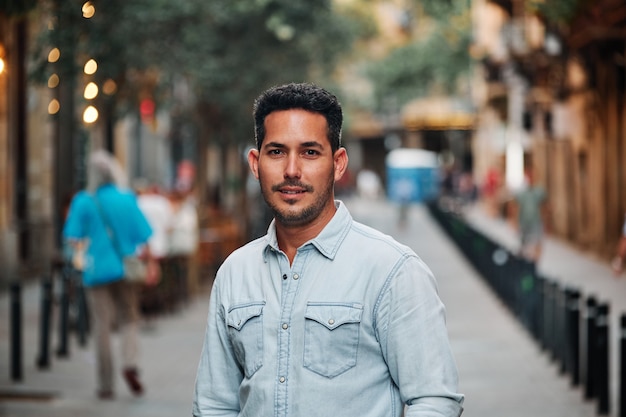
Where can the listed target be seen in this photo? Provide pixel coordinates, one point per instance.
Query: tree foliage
(557, 12)
(431, 62)
(227, 51)
(16, 7)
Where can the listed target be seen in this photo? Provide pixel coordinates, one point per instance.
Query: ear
(341, 163)
(253, 161)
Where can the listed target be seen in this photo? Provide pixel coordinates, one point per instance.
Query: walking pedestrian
(107, 219)
(532, 215)
(323, 315)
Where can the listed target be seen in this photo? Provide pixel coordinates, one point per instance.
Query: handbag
(135, 269)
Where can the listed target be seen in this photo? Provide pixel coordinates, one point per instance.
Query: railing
(575, 334)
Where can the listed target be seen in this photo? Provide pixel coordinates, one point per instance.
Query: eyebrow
(310, 144)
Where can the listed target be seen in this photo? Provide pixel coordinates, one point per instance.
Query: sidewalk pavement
(502, 370)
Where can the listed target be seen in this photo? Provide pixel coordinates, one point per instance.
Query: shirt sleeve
(413, 335)
(218, 377)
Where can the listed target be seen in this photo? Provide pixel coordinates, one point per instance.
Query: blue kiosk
(413, 175)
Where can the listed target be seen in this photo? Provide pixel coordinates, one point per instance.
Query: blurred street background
(503, 369)
(449, 104)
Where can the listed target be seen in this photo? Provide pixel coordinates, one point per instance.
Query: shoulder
(81, 200)
(249, 254)
(367, 240)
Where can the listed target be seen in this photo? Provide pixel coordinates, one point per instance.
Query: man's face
(297, 168)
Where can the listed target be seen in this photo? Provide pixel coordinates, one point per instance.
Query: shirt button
(331, 322)
(296, 276)
(281, 379)
(284, 276)
(285, 326)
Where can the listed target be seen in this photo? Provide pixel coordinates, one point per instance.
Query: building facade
(553, 87)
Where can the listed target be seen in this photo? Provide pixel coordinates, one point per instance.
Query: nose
(292, 167)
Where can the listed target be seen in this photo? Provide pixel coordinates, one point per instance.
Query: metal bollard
(63, 349)
(563, 337)
(590, 338)
(548, 320)
(557, 325)
(573, 321)
(602, 351)
(16, 331)
(538, 314)
(43, 360)
(83, 314)
(526, 301)
(622, 381)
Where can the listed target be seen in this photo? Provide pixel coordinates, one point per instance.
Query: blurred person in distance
(183, 239)
(158, 211)
(368, 184)
(531, 213)
(617, 263)
(107, 202)
(322, 314)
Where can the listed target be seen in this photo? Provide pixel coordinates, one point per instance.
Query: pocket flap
(239, 315)
(334, 315)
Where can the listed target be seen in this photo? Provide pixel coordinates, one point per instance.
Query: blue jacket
(84, 221)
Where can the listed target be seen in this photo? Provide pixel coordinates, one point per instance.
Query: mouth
(291, 190)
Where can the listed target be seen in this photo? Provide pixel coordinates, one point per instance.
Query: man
(108, 220)
(532, 214)
(322, 316)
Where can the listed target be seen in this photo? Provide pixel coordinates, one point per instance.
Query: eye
(311, 152)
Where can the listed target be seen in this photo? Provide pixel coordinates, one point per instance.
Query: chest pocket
(331, 337)
(245, 329)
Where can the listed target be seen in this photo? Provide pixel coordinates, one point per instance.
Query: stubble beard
(301, 217)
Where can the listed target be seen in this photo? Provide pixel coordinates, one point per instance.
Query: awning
(437, 113)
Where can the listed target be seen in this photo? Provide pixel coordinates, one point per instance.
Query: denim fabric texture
(353, 327)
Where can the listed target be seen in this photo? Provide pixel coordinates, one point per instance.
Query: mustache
(293, 183)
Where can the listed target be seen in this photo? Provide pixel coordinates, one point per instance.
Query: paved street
(503, 372)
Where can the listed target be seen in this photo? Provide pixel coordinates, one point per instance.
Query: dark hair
(303, 96)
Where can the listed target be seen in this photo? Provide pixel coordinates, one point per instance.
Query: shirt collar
(328, 241)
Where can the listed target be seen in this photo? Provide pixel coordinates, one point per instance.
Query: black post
(539, 292)
(83, 314)
(526, 295)
(43, 360)
(548, 319)
(590, 336)
(63, 349)
(602, 348)
(573, 313)
(16, 331)
(557, 324)
(622, 380)
(564, 336)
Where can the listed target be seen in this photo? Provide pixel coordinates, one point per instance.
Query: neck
(290, 238)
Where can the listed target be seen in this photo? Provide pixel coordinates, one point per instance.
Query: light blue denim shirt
(354, 327)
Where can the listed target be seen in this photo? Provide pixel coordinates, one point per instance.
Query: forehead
(296, 125)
